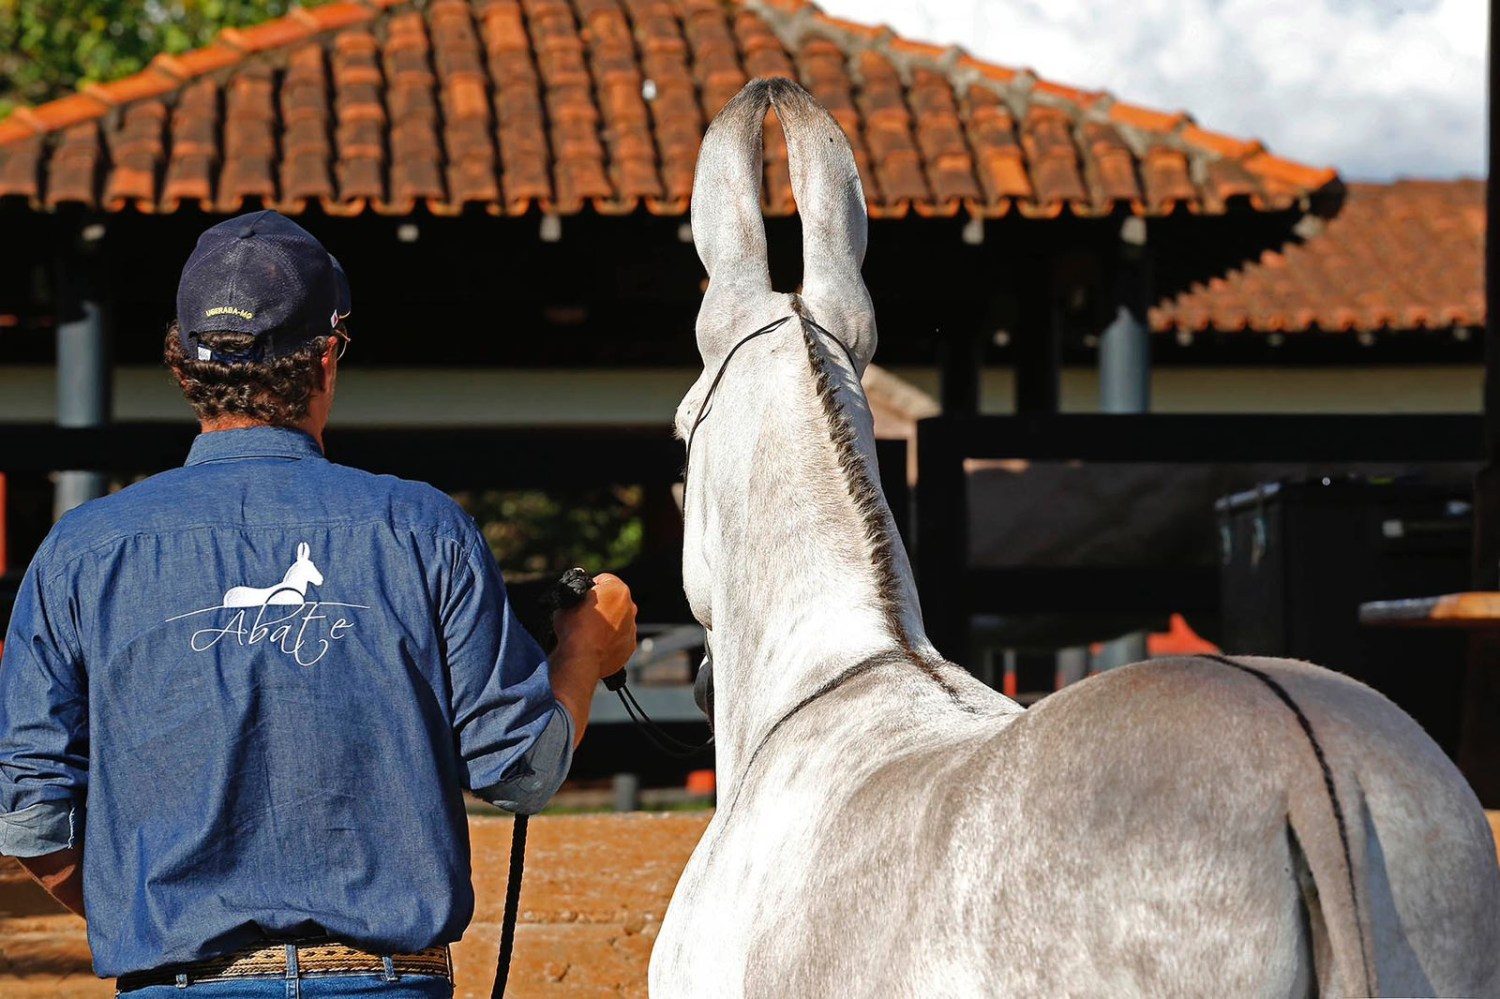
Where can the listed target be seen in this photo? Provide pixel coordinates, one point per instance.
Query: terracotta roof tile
(20, 169)
(670, 91)
(468, 125)
(199, 62)
(194, 148)
(1047, 138)
(248, 174)
(1111, 166)
(715, 57)
(517, 100)
(1401, 256)
(945, 152)
(1001, 165)
(507, 105)
(137, 152)
(359, 123)
(306, 149)
(151, 83)
(1164, 173)
(763, 56)
(618, 85)
(74, 170)
(822, 68)
(888, 130)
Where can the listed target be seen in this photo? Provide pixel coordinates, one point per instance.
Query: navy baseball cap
(264, 275)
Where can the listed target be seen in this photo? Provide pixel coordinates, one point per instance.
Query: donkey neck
(809, 576)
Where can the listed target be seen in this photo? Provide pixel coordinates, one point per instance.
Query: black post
(1037, 341)
(83, 365)
(942, 538)
(1486, 568)
(960, 364)
(1479, 752)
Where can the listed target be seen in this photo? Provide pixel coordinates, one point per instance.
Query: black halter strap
(708, 396)
(713, 386)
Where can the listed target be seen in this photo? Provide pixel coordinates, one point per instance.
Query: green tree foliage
(50, 47)
(535, 533)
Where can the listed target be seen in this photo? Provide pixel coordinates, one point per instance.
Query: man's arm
(61, 873)
(516, 713)
(44, 735)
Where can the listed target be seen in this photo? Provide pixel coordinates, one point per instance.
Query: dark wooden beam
(1207, 438)
(1092, 589)
(462, 457)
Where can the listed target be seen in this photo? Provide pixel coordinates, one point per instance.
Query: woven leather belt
(271, 962)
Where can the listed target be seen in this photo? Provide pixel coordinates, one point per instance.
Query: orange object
(1179, 640)
(701, 782)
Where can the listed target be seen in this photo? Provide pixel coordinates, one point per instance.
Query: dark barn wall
(621, 290)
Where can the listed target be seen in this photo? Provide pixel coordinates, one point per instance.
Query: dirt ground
(596, 887)
(595, 890)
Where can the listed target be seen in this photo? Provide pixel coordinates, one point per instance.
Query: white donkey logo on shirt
(291, 590)
(300, 628)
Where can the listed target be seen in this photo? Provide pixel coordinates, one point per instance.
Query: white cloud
(1377, 88)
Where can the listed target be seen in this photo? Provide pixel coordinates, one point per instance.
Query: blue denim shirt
(257, 686)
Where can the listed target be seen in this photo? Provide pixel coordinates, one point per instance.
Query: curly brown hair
(274, 392)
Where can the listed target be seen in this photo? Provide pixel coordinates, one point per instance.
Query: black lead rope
(512, 904)
(708, 396)
(570, 591)
(654, 733)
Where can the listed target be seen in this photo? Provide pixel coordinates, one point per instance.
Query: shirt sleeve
(514, 738)
(43, 721)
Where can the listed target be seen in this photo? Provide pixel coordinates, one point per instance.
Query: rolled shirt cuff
(535, 778)
(37, 830)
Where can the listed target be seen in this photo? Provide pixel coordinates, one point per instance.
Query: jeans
(313, 986)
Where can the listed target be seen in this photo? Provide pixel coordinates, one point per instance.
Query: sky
(1377, 88)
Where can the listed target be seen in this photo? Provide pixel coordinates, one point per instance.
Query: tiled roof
(1402, 256)
(503, 105)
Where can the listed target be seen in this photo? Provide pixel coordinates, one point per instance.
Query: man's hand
(61, 873)
(594, 640)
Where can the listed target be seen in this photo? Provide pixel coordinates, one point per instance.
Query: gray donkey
(888, 826)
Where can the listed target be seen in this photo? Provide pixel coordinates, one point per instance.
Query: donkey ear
(303, 551)
(830, 198)
(727, 226)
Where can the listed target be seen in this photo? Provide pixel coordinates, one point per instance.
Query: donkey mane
(869, 501)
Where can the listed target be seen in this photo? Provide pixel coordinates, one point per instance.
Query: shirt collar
(252, 442)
